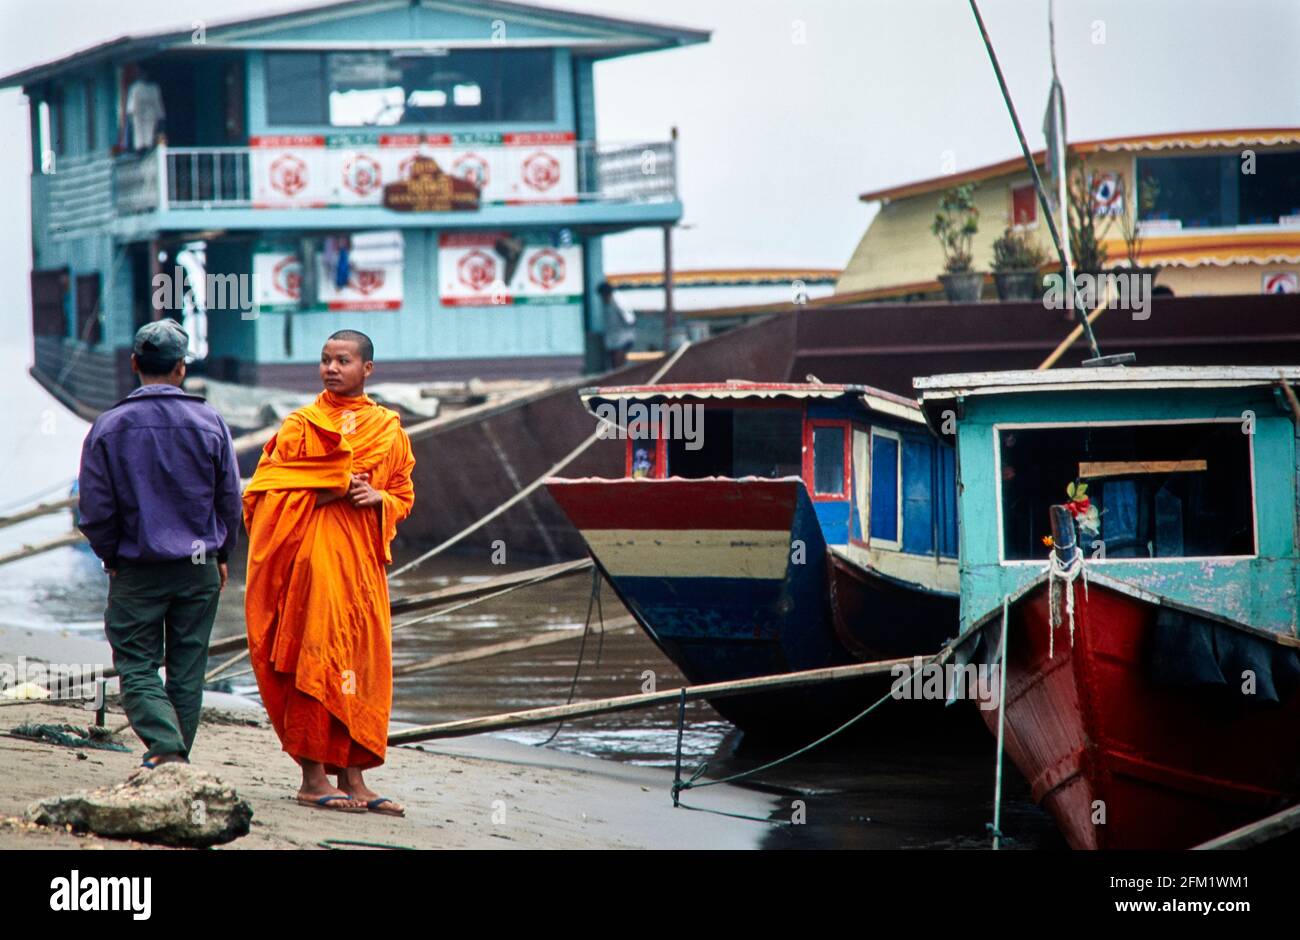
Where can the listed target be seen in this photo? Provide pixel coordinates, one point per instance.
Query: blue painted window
(918, 496)
(367, 89)
(295, 88)
(828, 460)
(884, 488)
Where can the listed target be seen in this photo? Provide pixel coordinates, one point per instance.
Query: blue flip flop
(324, 803)
(154, 762)
(373, 806)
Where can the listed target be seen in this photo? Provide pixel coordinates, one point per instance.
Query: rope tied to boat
(1064, 574)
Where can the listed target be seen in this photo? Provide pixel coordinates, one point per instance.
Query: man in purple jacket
(160, 505)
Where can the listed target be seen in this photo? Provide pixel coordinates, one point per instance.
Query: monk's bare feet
(350, 780)
(316, 790)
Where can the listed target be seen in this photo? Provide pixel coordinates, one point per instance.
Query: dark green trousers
(161, 614)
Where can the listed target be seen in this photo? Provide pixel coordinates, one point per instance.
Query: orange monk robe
(319, 629)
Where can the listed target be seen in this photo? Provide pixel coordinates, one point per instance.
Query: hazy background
(797, 106)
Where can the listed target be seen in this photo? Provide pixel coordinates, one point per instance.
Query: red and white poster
(374, 278)
(472, 271)
(360, 168)
(1281, 282)
(277, 280)
(1107, 195)
(541, 167)
(289, 172)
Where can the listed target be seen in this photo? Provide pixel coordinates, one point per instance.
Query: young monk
(321, 512)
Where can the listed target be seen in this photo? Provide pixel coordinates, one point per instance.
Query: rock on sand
(173, 804)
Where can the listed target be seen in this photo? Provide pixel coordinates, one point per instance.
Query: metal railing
(246, 177)
(204, 177)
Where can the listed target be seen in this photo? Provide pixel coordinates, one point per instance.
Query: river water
(929, 788)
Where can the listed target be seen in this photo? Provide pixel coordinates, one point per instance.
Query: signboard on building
(289, 172)
(372, 278)
(428, 189)
(1107, 195)
(310, 171)
(473, 269)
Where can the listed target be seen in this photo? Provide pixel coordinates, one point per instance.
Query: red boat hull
(1121, 761)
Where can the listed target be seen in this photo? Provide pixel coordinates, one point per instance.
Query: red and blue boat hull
(729, 578)
(1120, 746)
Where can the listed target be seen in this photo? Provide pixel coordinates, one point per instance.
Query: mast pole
(1079, 313)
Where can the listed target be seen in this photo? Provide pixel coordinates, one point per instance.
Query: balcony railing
(303, 173)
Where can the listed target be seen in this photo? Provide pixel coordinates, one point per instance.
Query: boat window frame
(997, 429)
(660, 455)
(860, 502)
(872, 540)
(809, 459)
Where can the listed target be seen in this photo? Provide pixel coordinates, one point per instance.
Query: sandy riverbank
(480, 792)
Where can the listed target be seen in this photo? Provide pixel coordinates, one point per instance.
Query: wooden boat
(812, 525)
(1153, 665)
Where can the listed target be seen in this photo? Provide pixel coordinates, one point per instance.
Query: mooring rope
(1065, 574)
(691, 784)
(586, 629)
(527, 490)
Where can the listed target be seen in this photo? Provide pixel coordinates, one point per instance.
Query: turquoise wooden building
(238, 177)
(1192, 471)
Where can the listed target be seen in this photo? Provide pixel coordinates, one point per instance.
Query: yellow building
(1220, 215)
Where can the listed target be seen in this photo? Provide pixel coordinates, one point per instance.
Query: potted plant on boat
(1130, 223)
(1016, 260)
(1086, 238)
(955, 225)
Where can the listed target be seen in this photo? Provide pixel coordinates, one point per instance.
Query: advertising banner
(289, 172)
(309, 171)
(493, 268)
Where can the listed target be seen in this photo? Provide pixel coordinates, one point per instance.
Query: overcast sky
(797, 106)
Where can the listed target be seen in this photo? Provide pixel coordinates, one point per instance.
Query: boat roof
(945, 388)
(873, 399)
(1027, 380)
(596, 35)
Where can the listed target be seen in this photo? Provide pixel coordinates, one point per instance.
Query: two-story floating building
(427, 171)
(1217, 211)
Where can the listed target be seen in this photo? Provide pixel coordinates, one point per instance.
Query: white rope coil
(1066, 574)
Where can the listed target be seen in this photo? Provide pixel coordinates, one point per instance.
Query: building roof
(724, 277)
(1182, 140)
(606, 35)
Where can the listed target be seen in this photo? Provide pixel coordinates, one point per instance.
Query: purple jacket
(158, 477)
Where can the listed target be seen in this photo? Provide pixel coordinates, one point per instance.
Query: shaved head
(365, 347)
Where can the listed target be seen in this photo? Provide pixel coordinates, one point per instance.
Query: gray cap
(162, 338)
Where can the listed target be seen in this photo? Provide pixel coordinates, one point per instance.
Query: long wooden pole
(1075, 333)
(545, 638)
(457, 592)
(27, 551)
(41, 509)
(550, 714)
(1066, 272)
(238, 642)
(1256, 833)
